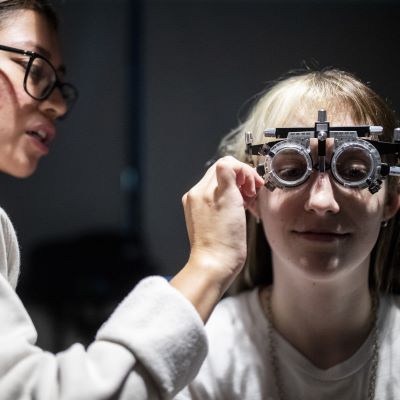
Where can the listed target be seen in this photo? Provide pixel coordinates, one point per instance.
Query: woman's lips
(39, 143)
(321, 236)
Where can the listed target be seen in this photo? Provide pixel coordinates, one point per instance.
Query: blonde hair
(295, 94)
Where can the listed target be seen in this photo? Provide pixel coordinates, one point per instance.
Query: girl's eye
(353, 172)
(291, 172)
(354, 165)
(289, 165)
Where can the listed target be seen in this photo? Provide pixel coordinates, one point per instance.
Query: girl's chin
(320, 267)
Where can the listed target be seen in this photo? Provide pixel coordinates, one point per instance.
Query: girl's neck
(328, 320)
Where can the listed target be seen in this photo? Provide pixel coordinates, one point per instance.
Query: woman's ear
(392, 205)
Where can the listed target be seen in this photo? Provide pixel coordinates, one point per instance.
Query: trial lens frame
(364, 137)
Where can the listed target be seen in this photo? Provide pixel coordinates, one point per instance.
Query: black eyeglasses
(41, 78)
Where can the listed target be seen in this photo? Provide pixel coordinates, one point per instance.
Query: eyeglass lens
(41, 79)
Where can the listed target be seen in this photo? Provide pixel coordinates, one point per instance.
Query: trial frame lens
(354, 164)
(288, 164)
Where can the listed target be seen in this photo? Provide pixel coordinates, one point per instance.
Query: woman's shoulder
(9, 250)
(7, 230)
(4, 218)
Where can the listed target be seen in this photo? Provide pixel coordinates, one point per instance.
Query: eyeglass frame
(57, 83)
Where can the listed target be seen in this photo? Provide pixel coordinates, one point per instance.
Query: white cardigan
(151, 346)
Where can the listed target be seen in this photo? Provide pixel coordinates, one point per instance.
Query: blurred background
(160, 82)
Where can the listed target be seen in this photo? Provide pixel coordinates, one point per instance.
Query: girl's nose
(321, 197)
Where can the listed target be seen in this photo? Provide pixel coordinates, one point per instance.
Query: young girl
(317, 316)
(154, 342)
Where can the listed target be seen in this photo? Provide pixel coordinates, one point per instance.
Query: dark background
(160, 82)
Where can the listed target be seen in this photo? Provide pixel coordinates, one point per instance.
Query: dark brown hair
(44, 7)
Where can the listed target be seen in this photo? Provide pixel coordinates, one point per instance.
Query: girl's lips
(321, 236)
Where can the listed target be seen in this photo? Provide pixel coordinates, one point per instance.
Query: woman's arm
(154, 342)
(152, 345)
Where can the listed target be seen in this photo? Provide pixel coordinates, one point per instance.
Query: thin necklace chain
(274, 358)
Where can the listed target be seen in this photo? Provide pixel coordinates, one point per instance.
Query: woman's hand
(216, 223)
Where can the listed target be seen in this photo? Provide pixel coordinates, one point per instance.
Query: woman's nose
(321, 197)
(54, 106)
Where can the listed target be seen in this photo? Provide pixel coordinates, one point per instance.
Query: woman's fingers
(221, 196)
(226, 177)
(227, 173)
(230, 171)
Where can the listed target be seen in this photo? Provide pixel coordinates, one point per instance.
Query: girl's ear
(253, 209)
(392, 205)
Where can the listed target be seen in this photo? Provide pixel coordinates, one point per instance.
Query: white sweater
(238, 366)
(151, 346)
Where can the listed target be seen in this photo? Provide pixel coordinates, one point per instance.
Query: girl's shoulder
(237, 306)
(235, 317)
(391, 302)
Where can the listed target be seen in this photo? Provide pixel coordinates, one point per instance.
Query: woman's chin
(19, 171)
(26, 173)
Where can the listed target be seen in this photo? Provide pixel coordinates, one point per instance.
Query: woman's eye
(36, 73)
(22, 63)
